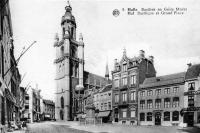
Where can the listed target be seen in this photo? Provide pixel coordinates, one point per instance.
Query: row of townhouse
(35, 107)
(103, 103)
(139, 97)
(10, 78)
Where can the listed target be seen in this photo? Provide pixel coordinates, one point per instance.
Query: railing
(86, 121)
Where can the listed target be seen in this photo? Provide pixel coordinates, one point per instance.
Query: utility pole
(17, 61)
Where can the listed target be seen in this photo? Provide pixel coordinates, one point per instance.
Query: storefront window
(149, 116)
(198, 118)
(142, 116)
(175, 116)
(166, 116)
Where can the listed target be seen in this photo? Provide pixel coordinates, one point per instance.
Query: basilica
(73, 83)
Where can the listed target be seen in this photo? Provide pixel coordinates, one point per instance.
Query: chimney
(151, 58)
(142, 53)
(189, 65)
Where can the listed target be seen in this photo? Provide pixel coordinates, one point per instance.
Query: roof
(48, 102)
(193, 72)
(164, 80)
(107, 88)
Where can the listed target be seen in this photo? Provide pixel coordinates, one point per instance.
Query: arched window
(62, 102)
(166, 116)
(149, 116)
(175, 116)
(142, 116)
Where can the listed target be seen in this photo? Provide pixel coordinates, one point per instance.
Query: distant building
(191, 110)
(22, 102)
(103, 103)
(128, 73)
(47, 109)
(160, 100)
(32, 105)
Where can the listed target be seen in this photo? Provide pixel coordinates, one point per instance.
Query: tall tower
(68, 70)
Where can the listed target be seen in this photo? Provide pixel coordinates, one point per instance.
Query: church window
(62, 51)
(62, 102)
(124, 68)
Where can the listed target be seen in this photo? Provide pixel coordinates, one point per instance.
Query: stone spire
(124, 52)
(68, 7)
(107, 72)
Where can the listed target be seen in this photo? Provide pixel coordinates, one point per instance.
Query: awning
(47, 116)
(79, 115)
(84, 115)
(103, 114)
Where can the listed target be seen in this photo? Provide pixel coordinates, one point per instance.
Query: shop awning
(103, 114)
(47, 116)
(79, 115)
(84, 115)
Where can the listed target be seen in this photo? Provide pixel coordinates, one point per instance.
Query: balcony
(124, 87)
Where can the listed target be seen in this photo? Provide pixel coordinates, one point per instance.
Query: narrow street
(74, 127)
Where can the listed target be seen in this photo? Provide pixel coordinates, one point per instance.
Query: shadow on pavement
(190, 130)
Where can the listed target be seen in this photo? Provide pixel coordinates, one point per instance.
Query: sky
(173, 40)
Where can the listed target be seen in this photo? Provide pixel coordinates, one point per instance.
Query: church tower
(69, 65)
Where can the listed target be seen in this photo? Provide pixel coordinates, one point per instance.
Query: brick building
(128, 73)
(160, 100)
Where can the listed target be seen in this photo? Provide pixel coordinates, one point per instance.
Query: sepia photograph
(92, 66)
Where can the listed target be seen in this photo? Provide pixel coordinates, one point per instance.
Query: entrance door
(157, 118)
(190, 121)
(61, 115)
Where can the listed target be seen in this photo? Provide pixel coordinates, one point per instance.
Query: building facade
(22, 102)
(9, 74)
(191, 110)
(32, 105)
(47, 109)
(160, 100)
(128, 73)
(103, 103)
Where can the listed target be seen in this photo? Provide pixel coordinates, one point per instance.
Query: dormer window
(191, 86)
(124, 67)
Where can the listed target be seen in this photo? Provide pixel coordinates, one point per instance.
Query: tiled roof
(163, 80)
(48, 102)
(107, 88)
(193, 72)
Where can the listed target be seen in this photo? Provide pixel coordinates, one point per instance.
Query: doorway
(157, 118)
(189, 118)
(61, 115)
